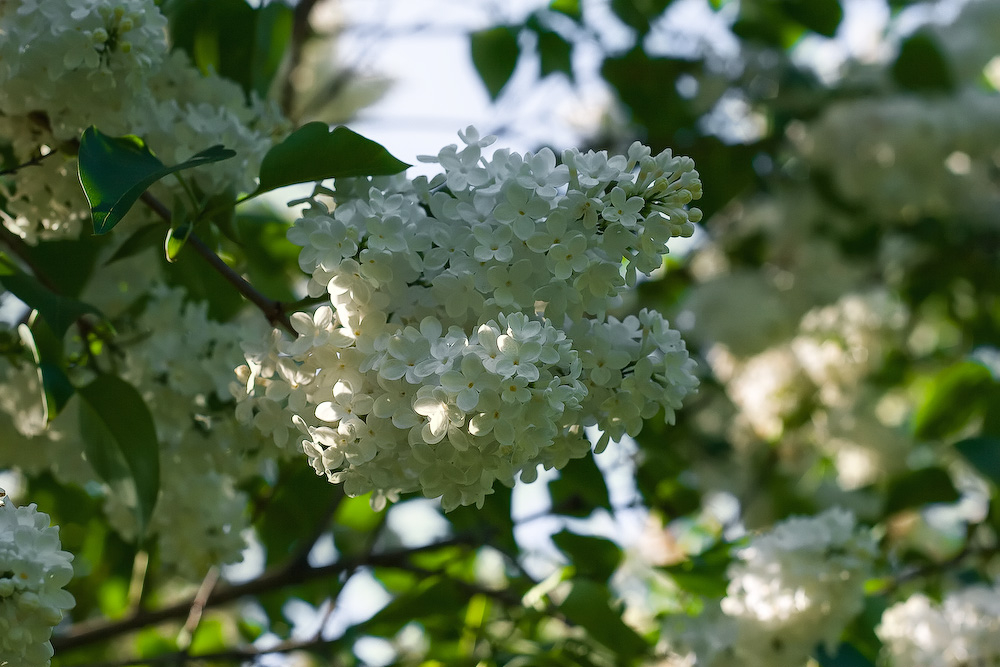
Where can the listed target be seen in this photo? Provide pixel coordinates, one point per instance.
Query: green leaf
(956, 394)
(59, 311)
(115, 171)
(589, 606)
(821, 16)
(175, 240)
(556, 54)
(120, 442)
(495, 52)
(239, 42)
(705, 573)
(846, 656)
(639, 14)
(593, 557)
(314, 153)
(580, 488)
(570, 8)
(983, 454)
(918, 488)
(142, 239)
(55, 384)
(921, 66)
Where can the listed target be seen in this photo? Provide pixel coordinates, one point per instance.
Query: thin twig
(186, 635)
(30, 163)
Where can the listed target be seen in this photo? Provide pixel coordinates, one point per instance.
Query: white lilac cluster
(33, 572)
(909, 157)
(181, 361)
(67, 65)
(468, 339)
(790, 590)
(834, 349)
(963, 630)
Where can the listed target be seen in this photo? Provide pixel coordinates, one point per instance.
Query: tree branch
(273, 310)
(90, 632)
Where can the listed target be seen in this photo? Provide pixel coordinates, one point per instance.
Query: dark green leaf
(494, 53)
(59, 311)
(638, 14)
(241, 43)
(593, 557)
(822, 16)
(67, 264)
(984, 455)
(589, 606)
(846, 656)
(115, 171)
(556, 54)
(144, 238)
(56, 385)
(580, 488)
(272, 260)
(921, 66)
(314, 153)
(956, 394)
(120, 442)
(297, 507)
(918, 488)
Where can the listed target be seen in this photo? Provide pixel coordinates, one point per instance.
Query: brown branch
(273, 310)
(90, 632)
(229, 655)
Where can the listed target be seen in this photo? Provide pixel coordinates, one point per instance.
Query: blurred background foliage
(841, 296)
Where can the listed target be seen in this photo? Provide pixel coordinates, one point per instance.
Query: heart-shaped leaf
(115, 171)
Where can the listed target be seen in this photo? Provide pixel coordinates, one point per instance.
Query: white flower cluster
(181, 362)
(906, 156)
(963, 630)
(67, 65)
(835, 348)
(467, 338)
(790, 590)
(33, 572)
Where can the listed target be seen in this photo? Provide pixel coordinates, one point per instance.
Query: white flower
(33, 572)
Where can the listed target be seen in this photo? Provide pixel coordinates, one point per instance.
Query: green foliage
(589, 604)
(242, 43)
(115, 171)
(845, 656)
(592, 557)
(495, 53)
(580, 489)
(821, 16)
(639, 14)
(954, 396)
(314, 152)
(703, 574)
(983, 454)
(121, 444)
(920, 487)
(920, 66)
(59, 311)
